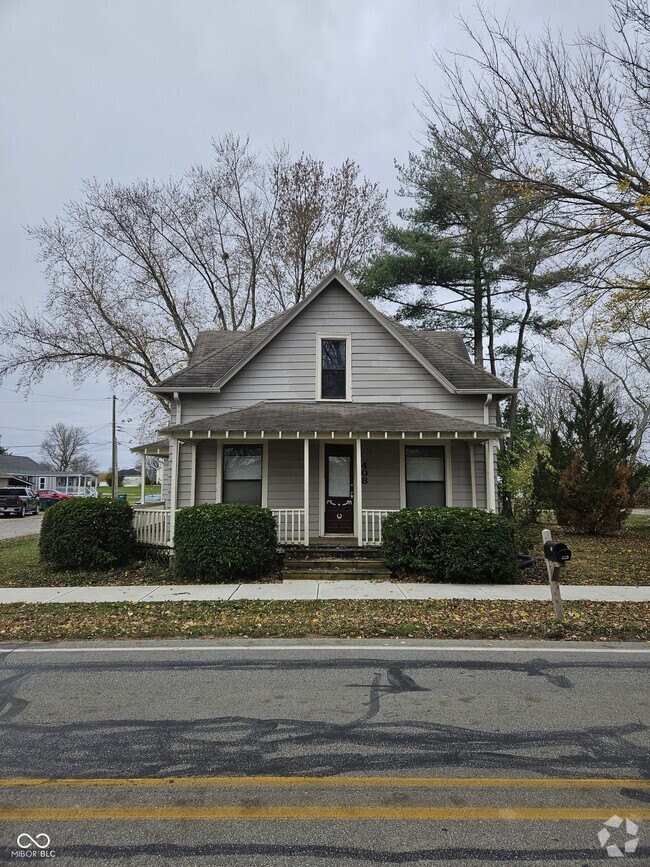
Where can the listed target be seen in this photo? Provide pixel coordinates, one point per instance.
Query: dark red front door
(339, 503)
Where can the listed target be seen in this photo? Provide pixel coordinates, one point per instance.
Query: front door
(339, 508)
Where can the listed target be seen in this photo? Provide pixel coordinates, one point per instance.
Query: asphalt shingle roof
(216, 353)
(307, 416)
(18, 465)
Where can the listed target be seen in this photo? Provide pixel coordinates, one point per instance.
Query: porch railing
(152, 526)
(291, 525)
(371, 525)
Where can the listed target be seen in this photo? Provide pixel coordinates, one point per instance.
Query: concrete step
(334, 564)
(329, 552)
(339, 575)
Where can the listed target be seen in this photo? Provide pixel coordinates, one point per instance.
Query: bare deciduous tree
(63, 448)
(324, 221)
(576, 122)
(134, 271)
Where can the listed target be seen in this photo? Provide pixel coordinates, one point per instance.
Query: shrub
(223, 542)
(449, 544)
(87, 533)
(591, 476)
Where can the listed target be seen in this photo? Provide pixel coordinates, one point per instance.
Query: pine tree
(592, 477)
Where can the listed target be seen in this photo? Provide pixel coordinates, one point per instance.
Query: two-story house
(331, 415)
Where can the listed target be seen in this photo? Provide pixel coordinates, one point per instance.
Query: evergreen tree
(591, 475)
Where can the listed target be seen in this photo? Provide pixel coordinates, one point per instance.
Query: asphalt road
(314, 754)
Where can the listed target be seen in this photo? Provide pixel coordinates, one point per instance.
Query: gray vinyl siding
(479, 452)
(206, 472)
(382, 370)
(166, 486)
(314, 490)
(461, 477)
(383, 465)
(184, 475)
(285, 475)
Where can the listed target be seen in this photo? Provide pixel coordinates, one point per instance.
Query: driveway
(13, 528)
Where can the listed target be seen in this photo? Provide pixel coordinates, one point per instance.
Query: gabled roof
(18, 465)
(329, 416)
(219, 355)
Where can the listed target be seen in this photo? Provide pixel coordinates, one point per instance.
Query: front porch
(326, 486)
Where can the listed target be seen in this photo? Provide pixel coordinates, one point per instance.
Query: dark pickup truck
(18, 501)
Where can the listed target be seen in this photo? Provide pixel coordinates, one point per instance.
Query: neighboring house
(20, 470)
(332, 415)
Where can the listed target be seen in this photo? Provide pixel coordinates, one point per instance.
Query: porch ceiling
(311, 418)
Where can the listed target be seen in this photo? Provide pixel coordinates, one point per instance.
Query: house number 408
(364, 474)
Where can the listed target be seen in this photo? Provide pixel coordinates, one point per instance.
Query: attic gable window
(334, 370)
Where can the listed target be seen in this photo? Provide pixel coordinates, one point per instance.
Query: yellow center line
(332, 782)
(316, 813)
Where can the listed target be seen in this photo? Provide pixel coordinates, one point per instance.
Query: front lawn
(623, 559)
(439, 618)
(20, 567)
(132, 492)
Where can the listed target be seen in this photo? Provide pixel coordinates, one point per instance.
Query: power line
(53, 396)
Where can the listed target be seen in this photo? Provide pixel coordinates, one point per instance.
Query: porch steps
(341, 564)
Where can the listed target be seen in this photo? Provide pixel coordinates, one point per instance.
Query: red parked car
(52, 495)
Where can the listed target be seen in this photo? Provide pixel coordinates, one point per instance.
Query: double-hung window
(425, 476)
(334, 368)
(242, 474)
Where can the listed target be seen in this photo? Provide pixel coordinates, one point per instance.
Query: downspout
(490, 484)
(174, 475)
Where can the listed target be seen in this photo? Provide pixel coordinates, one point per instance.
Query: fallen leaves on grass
(332, 619)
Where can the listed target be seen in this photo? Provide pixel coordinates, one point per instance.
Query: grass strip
(439, 618)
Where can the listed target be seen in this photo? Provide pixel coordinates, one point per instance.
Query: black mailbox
(557, 552)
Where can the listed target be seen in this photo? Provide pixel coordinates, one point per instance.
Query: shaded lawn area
(326, 619)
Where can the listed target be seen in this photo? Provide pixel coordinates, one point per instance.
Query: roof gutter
(188, 389)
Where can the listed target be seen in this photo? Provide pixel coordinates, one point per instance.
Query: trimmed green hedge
(451, 545)
(224, 542)
(87, 533)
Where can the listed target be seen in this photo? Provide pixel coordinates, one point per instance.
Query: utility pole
(114, 469)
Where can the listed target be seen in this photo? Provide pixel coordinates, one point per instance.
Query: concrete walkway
(321, 590)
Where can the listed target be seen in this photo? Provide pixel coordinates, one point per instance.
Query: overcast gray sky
(127, 89)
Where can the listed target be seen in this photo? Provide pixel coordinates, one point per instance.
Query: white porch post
(306, 488)
(472, 472)
(174, 489)
(193, 477)
(490, 487)
(143, 463)
(358, 506)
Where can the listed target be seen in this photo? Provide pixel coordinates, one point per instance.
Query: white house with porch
(332, 415)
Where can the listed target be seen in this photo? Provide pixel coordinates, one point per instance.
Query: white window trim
(265, 465)
(320, 336)
(444, 444)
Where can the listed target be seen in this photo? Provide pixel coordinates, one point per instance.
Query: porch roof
(160, 449)
(313, 417)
